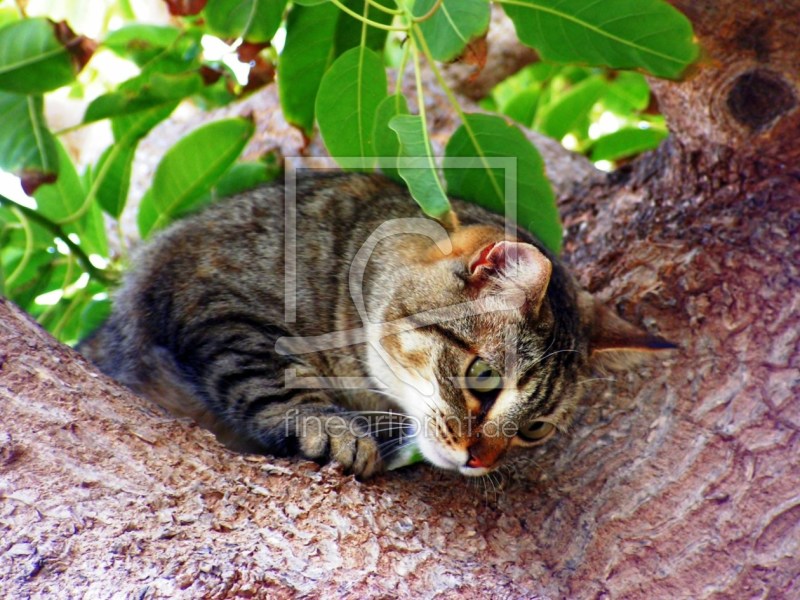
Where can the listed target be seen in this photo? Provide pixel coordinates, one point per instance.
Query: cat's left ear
(613, 342)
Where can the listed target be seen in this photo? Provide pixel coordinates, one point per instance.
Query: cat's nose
(475, 462)
(485, 452)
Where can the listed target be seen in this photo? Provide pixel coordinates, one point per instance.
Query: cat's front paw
(343, 440)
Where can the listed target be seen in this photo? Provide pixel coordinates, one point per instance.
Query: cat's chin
(474, 472)
(445, 459)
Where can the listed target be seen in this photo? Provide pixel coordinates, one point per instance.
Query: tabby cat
(345, 325)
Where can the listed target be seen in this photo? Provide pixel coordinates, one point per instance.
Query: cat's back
(230, 258)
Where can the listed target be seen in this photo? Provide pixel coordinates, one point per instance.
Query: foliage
(606, 115)
(54, 252)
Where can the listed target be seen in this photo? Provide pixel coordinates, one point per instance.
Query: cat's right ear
(511, 266)
(613, 342)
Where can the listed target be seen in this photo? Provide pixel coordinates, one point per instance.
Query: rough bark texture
(680, 481)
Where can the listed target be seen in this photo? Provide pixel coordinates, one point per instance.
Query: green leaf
(64, 202)
(522, 107)
(242, 176)
(348, 29)
(563, 114)
(253, 20)
(454, 24)
(141, 43)
(92, 231)
(532, 75)
(27, 148)
(307, 53)
(161, 89)
(59, 273)
(140, 103)
(622, 34)
(148, 216)
(134, 126)
(419, 168)
(61, 201)
(129, 127)
(113, 177)
(24, 253)
(626, 93)
(487, 136)
(385, 142)
(405, 456)
(347, 100)
(8, 15)
(626, 142)
(190, 168)
(33, 59)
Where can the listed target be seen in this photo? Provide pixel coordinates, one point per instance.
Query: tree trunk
(680, 481)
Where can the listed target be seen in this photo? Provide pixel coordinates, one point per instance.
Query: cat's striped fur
(195, 326)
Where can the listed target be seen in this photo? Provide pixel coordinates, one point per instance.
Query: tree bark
(679, 481)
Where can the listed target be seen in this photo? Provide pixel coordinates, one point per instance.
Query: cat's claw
(342, 441)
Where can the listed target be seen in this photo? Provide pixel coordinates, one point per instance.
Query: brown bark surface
(679, 481)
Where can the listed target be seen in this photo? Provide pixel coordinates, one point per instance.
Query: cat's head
(485, 348)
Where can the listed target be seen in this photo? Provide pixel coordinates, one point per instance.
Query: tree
(680, 484)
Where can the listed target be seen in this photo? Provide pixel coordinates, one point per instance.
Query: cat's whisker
(387, 455)
(556, 352)
(368, 413)
(424, 399)
(544, 352)
(491, 487)
(582, 381)
(499, 484)
(389, 443)
(391, 430)
(384, 392)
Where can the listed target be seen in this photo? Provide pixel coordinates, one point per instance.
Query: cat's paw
(345, 441)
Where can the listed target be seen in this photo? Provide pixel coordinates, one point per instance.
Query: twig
(100, 275)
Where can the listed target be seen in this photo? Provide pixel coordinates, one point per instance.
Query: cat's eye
(483, 378)
(536, 431)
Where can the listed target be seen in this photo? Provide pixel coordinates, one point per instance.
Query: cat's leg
(309, 424)
(241, 379)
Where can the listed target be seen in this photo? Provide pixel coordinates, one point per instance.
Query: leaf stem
(369, 22)
(26, 257)
(69, 129)
(448, 219)
(457, 107)
(428, 14)
(249, 23)
(71, 307)
(420, 93)
(386, 9)
(401, 71)
(54, 228)
(363, 35)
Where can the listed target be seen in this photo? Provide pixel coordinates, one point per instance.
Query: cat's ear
(511, 265)
(613, 342)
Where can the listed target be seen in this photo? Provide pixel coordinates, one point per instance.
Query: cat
(465, 339)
